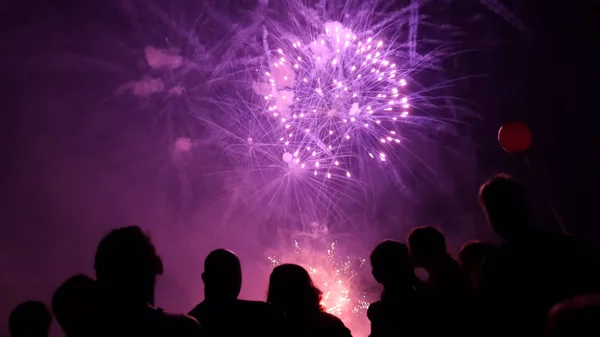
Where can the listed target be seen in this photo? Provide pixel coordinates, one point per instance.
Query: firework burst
(330, 103)
(309, 107)
(335, 98)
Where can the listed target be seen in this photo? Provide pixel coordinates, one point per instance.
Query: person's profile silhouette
(532, 269)
(401, 309)
(127, 266)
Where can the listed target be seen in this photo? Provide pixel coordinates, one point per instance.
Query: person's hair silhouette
(292, 292)
(222, 275)
(30, 319)
(77, 306)
(292, 289)
(126, 262)
(391, 265)
(471, 257)
(505, 203)
(427, 244)
(127, 266)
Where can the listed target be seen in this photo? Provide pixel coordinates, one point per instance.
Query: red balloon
(514, 137)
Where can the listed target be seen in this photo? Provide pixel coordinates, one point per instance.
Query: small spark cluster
(334, 276)
(335, 98)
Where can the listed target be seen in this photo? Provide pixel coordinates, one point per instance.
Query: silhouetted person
(222, 313)
(428, 250)
(532, 269)
(292, 292)
(79, 305)
(471, 257)
(401, 310)
(30, 319)
(575, 317)
(127, 266)
(451, 294)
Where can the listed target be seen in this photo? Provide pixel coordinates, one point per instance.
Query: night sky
(60, 193)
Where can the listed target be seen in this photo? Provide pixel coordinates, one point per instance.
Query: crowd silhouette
(535, 283)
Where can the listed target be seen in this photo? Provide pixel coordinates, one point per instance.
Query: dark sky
(56, 206)
(547, 80)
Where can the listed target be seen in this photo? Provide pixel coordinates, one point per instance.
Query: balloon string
(549, 200)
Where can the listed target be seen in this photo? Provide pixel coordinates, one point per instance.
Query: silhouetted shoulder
(553, 247)
(571, 243)
(334, 326)
(180, 325)
(254, 305)
(199, 310)
(548, 238)
(495, 270)
(260, 315)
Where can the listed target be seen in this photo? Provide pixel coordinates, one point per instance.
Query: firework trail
(498, 8)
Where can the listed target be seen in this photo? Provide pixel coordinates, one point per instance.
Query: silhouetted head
(391, 264)
(77, 306)
(291, 290)
(222, 275)
(471, 257)
(30, 319)
(505, 204)
(126, 261)
(427, 245)
(575, 317)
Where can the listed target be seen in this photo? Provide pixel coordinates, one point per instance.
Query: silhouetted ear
(160, 269)
(204, 277)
